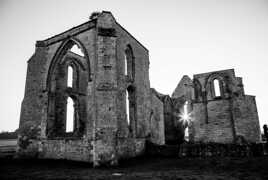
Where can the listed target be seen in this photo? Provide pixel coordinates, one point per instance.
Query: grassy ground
(141, 168)
(8, 142)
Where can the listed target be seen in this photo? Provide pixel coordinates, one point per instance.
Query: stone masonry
(227, 117)
(101, 133)
(114, 109)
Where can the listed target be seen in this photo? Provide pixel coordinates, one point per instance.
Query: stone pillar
(105, 126)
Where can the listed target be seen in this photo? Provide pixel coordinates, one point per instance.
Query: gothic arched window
(129, 62)
(217, 88)
(68, 76)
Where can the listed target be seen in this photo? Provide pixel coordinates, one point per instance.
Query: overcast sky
(183, 37)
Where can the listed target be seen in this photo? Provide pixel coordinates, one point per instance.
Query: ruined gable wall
(184, 89)
(34, 107)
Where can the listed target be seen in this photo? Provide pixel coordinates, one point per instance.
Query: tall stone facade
(114, 110)
(113, 65)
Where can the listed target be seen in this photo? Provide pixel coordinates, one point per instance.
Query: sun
(185, 116)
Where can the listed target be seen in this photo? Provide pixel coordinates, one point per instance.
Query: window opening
(125, 60)
(127, 107)
(70, 77)
(75, 49)
(185, 118)
(217, 88)
(70, 115)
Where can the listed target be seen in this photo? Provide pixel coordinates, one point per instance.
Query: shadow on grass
(139, 168)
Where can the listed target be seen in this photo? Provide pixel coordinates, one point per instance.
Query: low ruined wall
(222, 150)
(130, 147)
(75, 149)
(161, 150)
(207, 150)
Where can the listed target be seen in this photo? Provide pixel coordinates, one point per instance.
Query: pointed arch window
(129, 62)
(217, 89)
(125, 62)
(70, 73)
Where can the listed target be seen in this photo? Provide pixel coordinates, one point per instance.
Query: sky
(184, 37)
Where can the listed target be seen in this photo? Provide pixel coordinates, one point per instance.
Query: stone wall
(102, 134)
(217, 127)
(108, 124)
(184, 89)
(157, 130)
(35, 115)
(225, 118)
(130, 147)
(138, 81)
(76, 150)
(174, 126)
(207, 150)
(246, 118)
(222, 150)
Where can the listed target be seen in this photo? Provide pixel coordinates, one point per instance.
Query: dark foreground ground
(141, 168)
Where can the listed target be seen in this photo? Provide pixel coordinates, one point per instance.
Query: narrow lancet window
(217, 90)
(129, 63)
(125, 61)
(127, 108)
(70, 76)
(70, 115)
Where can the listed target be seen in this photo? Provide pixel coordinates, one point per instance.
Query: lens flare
(185, 116)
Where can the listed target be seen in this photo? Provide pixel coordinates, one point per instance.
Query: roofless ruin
(88, 98)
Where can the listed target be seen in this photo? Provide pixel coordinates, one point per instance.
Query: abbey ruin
(114, 112)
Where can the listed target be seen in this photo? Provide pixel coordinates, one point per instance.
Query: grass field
(253, 168)
(8, 142)
(229, 168)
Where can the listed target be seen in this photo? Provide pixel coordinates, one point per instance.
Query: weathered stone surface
(227, 117)
(130, 147)
(157, 120)
(184, 88)
(115, 111)
(222, 150)
(101, 132)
